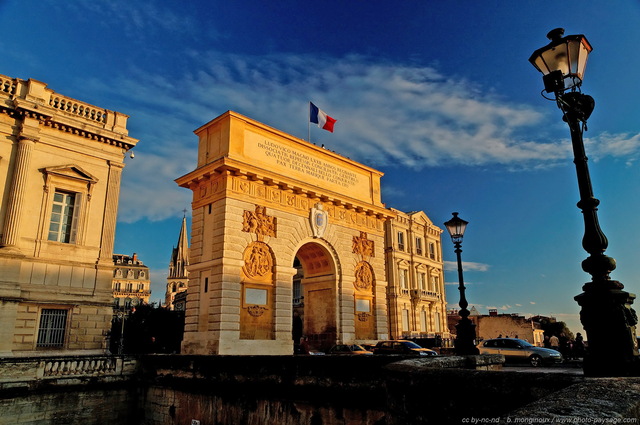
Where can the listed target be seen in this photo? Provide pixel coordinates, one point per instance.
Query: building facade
(415, 273)
(178, 278)
(263, 202)
(60, 165)
(131, 282)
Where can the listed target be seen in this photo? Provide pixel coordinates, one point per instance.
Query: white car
(518, 350)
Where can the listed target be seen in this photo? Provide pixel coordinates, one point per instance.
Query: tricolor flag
(319, 117)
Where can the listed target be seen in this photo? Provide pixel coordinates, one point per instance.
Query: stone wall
(68, 390)
(301, 390)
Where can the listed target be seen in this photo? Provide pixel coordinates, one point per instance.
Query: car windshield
(411, 344)
(357, 348)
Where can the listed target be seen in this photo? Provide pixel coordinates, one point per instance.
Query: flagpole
(309, 124)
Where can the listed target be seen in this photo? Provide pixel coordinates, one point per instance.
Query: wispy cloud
(466, 265)
(393, 115)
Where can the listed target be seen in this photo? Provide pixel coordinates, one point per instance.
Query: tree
(149, 329)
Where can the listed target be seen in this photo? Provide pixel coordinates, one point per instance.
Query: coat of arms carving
(319, 219)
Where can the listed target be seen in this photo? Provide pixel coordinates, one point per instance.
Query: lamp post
(465, 329)
(121, 315)
(606, 313)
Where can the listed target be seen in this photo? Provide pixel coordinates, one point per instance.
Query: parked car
(403, 347)
(518, 350)
(368, 347)
(349, 349)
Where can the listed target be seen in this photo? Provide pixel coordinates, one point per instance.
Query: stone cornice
(22, 99)
(228, 167)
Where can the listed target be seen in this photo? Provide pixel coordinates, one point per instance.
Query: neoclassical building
(178, 278)
(60, 165)
(416, 295)
(266, 207)
(131, 282)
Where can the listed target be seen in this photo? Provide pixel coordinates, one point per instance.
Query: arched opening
(314, 299)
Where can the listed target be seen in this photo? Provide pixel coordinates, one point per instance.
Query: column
(11, 232)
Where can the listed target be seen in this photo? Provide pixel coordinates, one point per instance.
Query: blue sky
(439, 95)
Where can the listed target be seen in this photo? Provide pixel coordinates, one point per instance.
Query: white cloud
(467, 266)
(388, 115)
(504, 307)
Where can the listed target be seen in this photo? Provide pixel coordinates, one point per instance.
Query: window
(140, 287)
(436, 284)
(419, 246)
(405, 319)
(206, 284)
(432, 251)
(401, 241)
(53, 323)
(423, 321)
(422, 281)
(129, 287)
(64, 217)
(404, 279)
(297, 292)
(116, 286)
(116, 303)
(141, 275)
(437, 321)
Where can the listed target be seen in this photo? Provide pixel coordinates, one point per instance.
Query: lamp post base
(610, 324)
(465, 338)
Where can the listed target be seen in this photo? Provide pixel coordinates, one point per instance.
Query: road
(573, 368)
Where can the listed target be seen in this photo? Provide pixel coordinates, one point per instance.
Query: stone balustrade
(83, 110)
(31, 95)
(7, 85)
(79, 367)
(18, 372)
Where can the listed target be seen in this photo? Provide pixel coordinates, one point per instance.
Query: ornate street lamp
(606, 312)
(465, 329)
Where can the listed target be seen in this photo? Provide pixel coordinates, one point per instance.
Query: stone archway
(318, 286)
(262, 198)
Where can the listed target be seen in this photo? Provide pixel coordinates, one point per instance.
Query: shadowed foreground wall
(292, 390)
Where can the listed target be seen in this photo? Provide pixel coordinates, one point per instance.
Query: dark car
(518, 350)
(348, 349)
(402, 347)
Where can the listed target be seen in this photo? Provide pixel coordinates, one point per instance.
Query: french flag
(319, 117)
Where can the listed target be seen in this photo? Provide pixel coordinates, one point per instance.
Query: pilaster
(24, 153)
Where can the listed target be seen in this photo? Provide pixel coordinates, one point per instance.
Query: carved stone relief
(318, 218)
(259, 222)
(364, 276)
(256, 310)
(258, 261)
(363, 246)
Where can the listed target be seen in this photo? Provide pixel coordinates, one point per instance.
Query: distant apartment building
(415, 275)
(131, 282)
(506, 325)
(60, 167)
(178, 278)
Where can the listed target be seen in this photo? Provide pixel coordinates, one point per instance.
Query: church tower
(178, 278)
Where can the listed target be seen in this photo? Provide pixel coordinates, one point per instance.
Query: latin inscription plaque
(307, 166)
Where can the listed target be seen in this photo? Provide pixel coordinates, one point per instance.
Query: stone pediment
(421, 217)
(71, 171)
